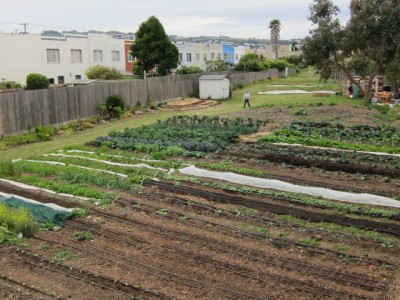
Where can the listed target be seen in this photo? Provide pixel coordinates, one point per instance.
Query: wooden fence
(21, 110)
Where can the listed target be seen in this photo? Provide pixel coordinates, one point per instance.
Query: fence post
(1, 118)
(145, 87)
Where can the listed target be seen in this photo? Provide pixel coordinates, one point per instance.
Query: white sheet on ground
(109, 155)
(292, 188)
(338, 150)
(108, 162)
(293, 92)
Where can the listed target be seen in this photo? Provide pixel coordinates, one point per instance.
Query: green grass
(235, 104)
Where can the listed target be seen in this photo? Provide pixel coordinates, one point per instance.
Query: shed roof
(212, 77)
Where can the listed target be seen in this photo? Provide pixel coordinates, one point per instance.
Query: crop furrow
(277, 242)
(25, 286)
(290, 264)
(261, 276)
(13, 291)
(392, 229)
(322, 164)
(127, 290)
(151, 270)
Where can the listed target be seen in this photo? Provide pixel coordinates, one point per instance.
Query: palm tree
(275, 26)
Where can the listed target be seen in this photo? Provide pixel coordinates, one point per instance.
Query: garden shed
(214, 87)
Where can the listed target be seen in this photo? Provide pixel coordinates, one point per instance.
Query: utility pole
(24, 24)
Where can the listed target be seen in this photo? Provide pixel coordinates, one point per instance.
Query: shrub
(115, 101)
(35, 81)
(18, 220)
(279, 64)
(102, 108)
(189, 70)
(45, 132)
(115, 106)
(8, 169)
(103, 73)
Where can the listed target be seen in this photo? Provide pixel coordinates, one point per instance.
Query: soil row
(387, 228)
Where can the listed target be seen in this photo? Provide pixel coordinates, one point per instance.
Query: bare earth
(188, 241)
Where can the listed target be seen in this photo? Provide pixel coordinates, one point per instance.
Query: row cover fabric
(363, 198)
(42, 212)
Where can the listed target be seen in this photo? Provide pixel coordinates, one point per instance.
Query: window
(78, 77)
(205, 57)
(53, 56)
(76, 56)
(115, 55)
(180, 57)
(130, 56)
(60, 79)
(51, 80)
(212, 56)
(231, 57)
(98, 55)
(237, 56)
(219, 56)
(188, 57)
(197, 57)
(225, 56)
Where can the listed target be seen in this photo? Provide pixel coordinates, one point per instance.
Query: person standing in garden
(246, 98)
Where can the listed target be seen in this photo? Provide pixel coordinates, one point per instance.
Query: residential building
(196, 54)
(129, 58)
(239, 52)
(106, 51)
(216, 51)
(229, 54)
(62, 57)
(284, 51)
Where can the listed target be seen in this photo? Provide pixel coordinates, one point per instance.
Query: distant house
(61, 56)
(129, 58)
(284, 51)
(214, 87)
(229, 54)
(194, 54)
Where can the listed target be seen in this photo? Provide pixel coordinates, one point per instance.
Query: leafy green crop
(193, 134)
(324, 134)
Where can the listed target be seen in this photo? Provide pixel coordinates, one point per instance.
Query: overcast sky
(238, 18)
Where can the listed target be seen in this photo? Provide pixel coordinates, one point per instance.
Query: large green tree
(250, 62)
(153, 49)
(364, 46)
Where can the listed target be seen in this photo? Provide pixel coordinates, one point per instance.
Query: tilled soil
(153, 244)
(187, 241)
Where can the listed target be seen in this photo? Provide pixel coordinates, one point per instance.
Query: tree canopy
(250, 62)
(364, 46)
(217, 65)
(153, 49)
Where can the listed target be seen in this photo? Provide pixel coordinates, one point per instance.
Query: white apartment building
(195, 54)
(62, 57)
(239, 52)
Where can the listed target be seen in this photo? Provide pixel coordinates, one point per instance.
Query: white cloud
(248, 18)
